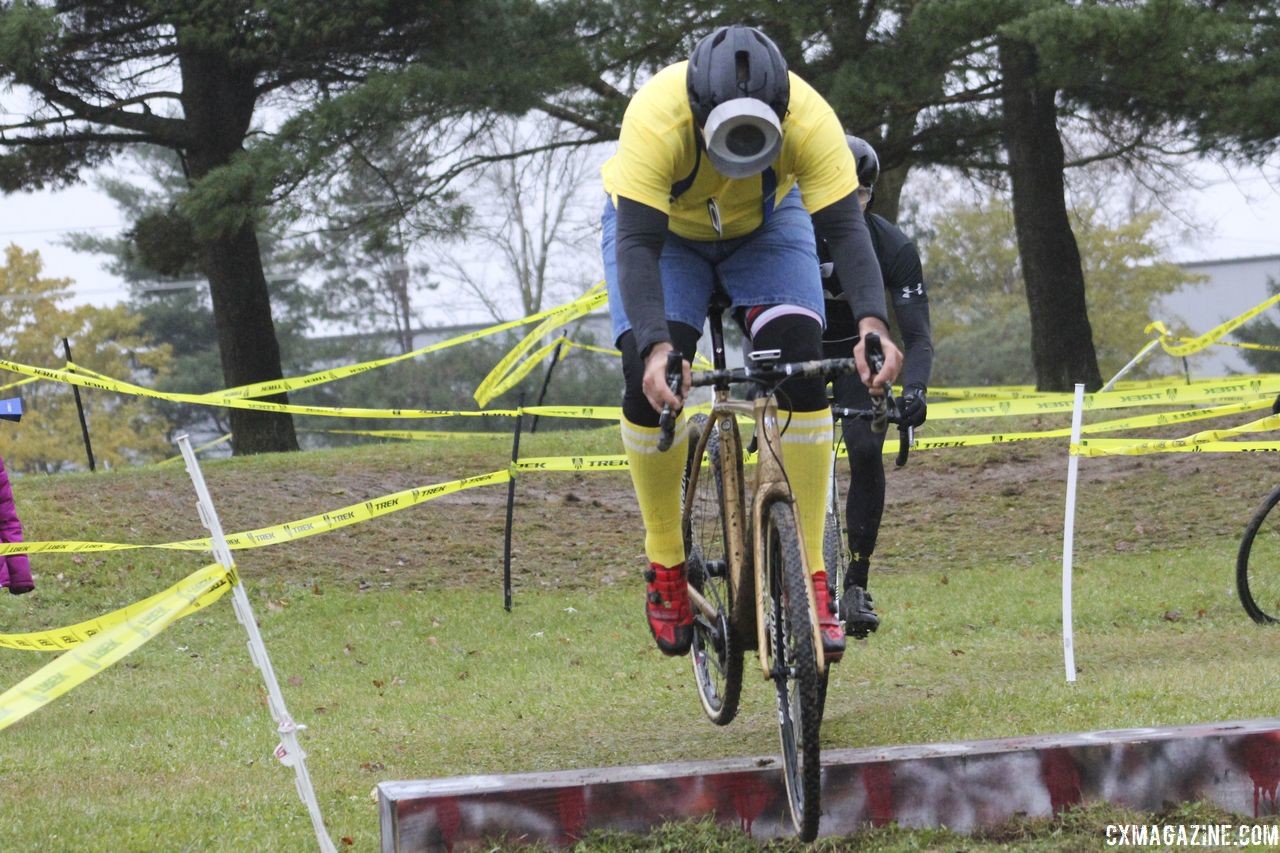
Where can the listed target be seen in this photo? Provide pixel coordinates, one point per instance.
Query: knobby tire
(716, 654)
(1258, 563)
(794, 666)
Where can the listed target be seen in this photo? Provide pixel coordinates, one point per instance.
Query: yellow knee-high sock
(656, 478)
(806, 451)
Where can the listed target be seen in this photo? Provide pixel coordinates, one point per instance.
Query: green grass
(391, 643)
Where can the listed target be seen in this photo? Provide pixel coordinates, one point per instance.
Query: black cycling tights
(865, 505)
(798, 337)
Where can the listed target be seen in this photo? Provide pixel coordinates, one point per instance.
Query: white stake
(1133, 361)
(1068, 535)
(288, 751)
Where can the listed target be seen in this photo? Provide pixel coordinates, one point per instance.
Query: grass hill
(392, 645)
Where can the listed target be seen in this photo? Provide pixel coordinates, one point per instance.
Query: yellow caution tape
(1128, 447)
(94, 654)
(410, 434)
(600, 350)
(73, 377)
(19, 382)
(311, 380)
(208, 444)
(1233, 389)
(597, 413)
(58, 639)
(499, 377)
(1196, 443)
(616, 462)
(278, 533)
(1194, 345)
(491, 387)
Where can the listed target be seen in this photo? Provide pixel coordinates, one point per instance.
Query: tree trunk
(1062, 349)
(886, 201)
(247, 338)
(218, 99)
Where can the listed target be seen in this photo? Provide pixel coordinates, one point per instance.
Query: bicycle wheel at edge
(1258, 563)
(794, 668)
(716, 654)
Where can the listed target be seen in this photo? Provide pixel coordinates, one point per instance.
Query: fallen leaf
(377, 682)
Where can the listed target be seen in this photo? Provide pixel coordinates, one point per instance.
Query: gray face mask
(743, 136)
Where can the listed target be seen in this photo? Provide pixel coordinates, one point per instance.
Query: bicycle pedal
(860, 631)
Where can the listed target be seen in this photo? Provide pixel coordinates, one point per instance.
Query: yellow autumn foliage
(34, 318)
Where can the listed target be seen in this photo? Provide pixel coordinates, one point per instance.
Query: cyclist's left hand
(892, 357)
(913, 406)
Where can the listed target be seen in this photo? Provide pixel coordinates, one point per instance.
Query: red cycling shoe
(667, 608)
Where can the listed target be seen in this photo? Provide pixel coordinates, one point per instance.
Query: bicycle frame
(745, 524)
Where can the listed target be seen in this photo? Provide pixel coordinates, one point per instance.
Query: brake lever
(906, 438)
(879, 405)
(667, 420)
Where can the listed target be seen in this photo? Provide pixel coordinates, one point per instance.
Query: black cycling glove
(913, 406)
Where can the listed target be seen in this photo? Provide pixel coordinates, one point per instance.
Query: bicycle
(1258, 564)
(748, 577)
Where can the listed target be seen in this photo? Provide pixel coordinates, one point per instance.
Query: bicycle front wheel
(793, 667)
(1258, 563)
(716, 652)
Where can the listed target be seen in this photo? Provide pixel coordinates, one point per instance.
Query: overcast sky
(1243, 214)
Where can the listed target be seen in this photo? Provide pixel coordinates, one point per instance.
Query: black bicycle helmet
(865, 156)
(737, 62)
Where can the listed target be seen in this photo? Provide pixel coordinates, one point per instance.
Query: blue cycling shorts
(777, 264)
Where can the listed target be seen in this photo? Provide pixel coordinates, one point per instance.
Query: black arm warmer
(917, 343)
(641, 232)
(842, 226)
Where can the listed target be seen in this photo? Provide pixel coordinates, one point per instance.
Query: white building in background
(1231, 287)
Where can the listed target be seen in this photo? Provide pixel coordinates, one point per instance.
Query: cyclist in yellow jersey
(726, 167)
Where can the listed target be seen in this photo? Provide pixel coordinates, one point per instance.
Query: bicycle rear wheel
(1258, 563)
(793, 665)
(716, 653)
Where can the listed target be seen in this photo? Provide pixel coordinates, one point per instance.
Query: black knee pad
(799, 337)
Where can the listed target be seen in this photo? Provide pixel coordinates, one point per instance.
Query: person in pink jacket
(15, 569)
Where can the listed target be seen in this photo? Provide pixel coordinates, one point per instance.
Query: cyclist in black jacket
(904, 282)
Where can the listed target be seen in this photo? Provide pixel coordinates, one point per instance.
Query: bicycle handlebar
(884, 408)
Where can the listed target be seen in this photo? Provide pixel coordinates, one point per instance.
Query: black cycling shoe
(857, 611)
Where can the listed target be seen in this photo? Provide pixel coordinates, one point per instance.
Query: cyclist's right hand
(655, 379)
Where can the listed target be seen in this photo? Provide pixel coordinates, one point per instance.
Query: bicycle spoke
(716, 657)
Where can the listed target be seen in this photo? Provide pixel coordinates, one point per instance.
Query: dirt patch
(947, 509)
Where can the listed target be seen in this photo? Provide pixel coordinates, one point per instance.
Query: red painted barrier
(963, 786)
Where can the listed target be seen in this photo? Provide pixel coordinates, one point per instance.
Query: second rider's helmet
(865, 156)
(739, 91)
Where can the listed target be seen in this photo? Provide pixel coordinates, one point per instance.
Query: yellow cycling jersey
(657, 149)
